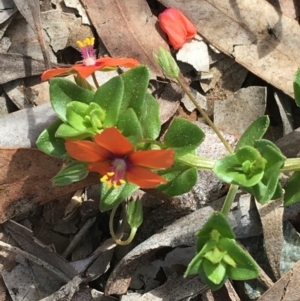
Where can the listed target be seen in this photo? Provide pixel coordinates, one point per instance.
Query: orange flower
(113, 156)
(90, 63)
(178, 28)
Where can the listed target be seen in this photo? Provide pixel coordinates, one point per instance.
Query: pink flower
(178, 28)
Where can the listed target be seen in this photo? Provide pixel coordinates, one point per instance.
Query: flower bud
(167, 63)
(178, 28)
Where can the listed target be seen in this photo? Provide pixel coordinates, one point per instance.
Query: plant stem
(291, 164)
(95, 80)
(112, 232)
(197, 161)
(207, 119)
(229, 199)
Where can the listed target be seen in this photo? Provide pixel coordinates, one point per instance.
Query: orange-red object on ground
(113, 156)
(177, 26)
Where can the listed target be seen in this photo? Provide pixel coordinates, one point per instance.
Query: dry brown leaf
(127, 29)
(290, 8)
(259, 37)
(25, 180)
(287, 288)
(271, 215)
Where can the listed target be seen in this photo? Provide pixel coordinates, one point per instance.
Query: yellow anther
(104, 179)
(110, 174)
(86, 42)
(122, 182)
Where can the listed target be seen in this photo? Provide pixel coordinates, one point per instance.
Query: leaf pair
(219, 257)
(255, 165)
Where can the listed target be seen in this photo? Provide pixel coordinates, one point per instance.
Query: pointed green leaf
(111, 197)
(216, 222)
(130, 126)
(134, 213)
(233, 168)
(255, 131)
(63, 91)
(179, 182)
(149, 119)
(109, 97)
(214, 272)
(67, 132)
(75, 113)
(246, 267)
(194, 266)
(183, 136)
(136, 81)
(48, 143)
(73, 172)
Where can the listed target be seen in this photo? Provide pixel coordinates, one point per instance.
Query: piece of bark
(271, 215)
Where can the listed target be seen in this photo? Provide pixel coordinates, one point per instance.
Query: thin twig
(77, 238)
(36, 260)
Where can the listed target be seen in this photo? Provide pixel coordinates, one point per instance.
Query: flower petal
(114, 62)
(86, 151)
(143, 177)
(85, 71)
(54, 72)
(152, 158)
(102, 167)
(112, 140)
(178, 28)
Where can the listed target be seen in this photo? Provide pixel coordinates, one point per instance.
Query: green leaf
(212, 285)
(130, 126)
(245, 167)
(136, 82)
(111, 197)
(216, 222)
(63, 91)
(109, 97)
(297, 87)
(49, 144)
(75, 113)
(255, 131)
(194, 266)
(134, 213)
(179, 182)
(68, 132)
(73, 172)
(246, 267)
(183, 136)
(292, 191)
(214, 272)
(149, 119)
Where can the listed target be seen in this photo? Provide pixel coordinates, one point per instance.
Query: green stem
(95, 80)
(205, 116)
(229, 199)
(112, 232)
(197, 161)
(291, 164)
